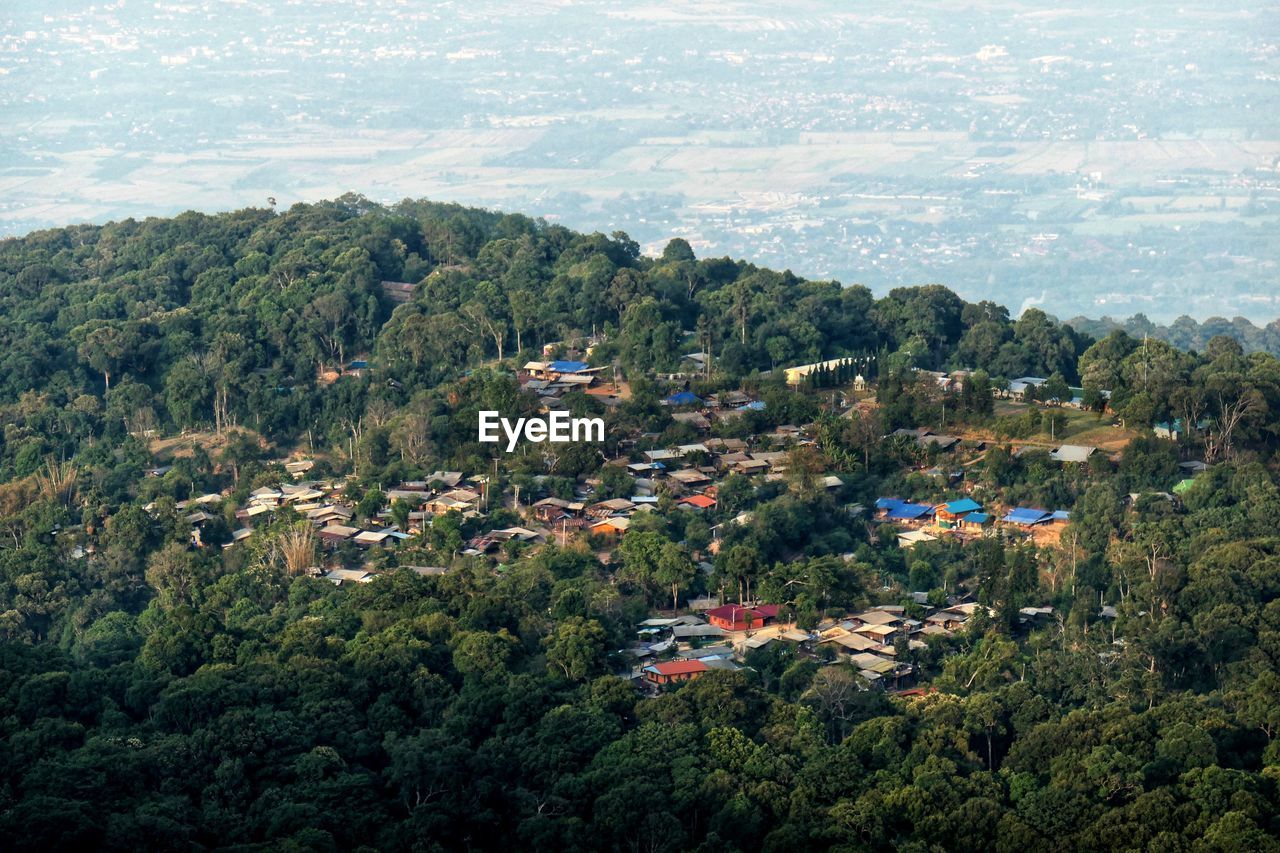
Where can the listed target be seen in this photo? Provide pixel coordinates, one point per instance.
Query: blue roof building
(567, 366)
(899, 510)
(683, 398)
(1027, 517)
(962, 506)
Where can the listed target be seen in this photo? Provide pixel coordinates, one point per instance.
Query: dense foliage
(159, 696)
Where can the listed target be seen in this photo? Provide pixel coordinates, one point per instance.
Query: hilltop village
(712, 441)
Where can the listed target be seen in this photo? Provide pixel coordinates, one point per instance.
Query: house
(335, 533)
(739, 617)
(334, 514)
(427, 571)
(912, 538)
(450, 479)
(950, 514)
(555, 371)
(204, 499)
(883, 634)
(876, 616)
(850, 641)
(551, 510)
(892, 509)
(693, 419)
(690, 477)
(683, 398)
(872, 667)
(300, 494)
(613, 506)
(759, 641)
(413, 497)
(674, 672)
(750, 466)
(299, 467)
(955, 616)
(442, 505)
(700, 632)
(697, 360)
(252, 511)
(611, 526)
(796, 375)
(1027, 517)
(775, 459)
(1072, 453)
(239, 536)
(976, 522)
(1024, 386)
(198, 517)
(340, 576)
(266, 496)
(1176, 429)
(370, 538)
(697, 502)
(454, 500)
(927, 438)
(725, 445)
(1034, 615)
(706, 654)
(520, 534)
(686, 449)
(944, 443)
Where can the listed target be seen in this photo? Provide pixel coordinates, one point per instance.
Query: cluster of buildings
(551, 380)
(325, 505)
(927, 439)
(669, 651)
(689, 473)
(926, 522)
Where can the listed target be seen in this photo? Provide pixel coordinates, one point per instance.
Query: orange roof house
(674, 671)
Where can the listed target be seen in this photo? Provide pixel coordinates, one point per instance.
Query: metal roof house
(1072, 453)
(1028, 517)
(955, 510)
(897, 510)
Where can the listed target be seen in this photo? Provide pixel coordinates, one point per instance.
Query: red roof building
(699, 501)
(737, 617)
(674, 671)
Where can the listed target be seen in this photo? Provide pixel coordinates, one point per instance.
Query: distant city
(1096, 160)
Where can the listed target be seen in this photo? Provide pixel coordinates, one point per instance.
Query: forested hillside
(1186, 333)
(1118, 688)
